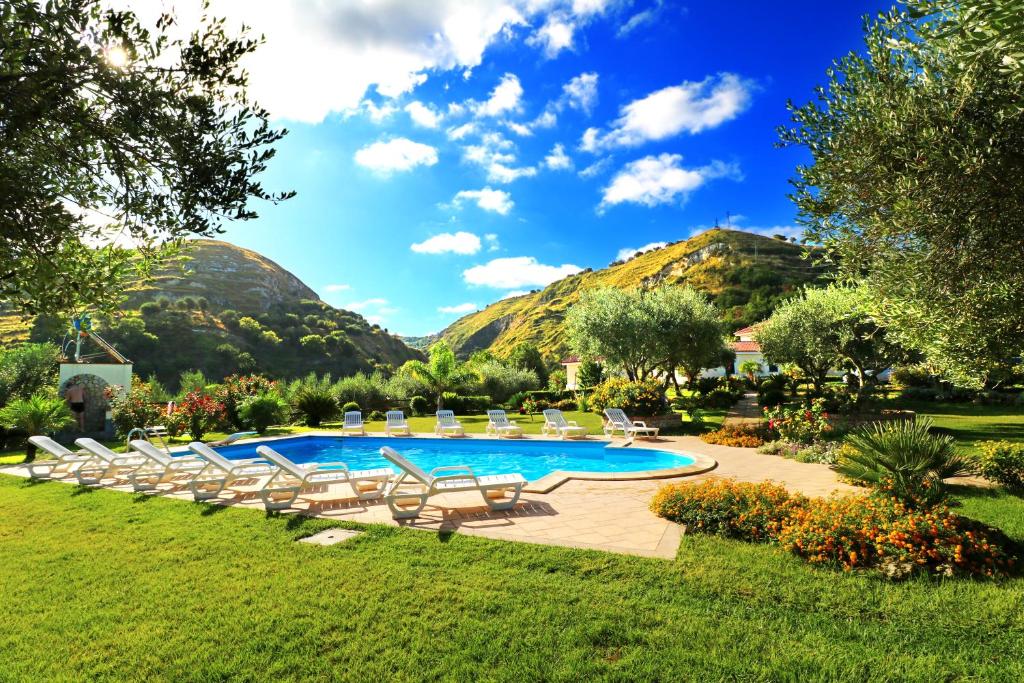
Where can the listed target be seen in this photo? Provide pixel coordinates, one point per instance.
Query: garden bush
(771, 398)
(313, 400)
(719, 399)
(723, 507)
(1002, 462)
(133, 408)
(736, 436)
(362, 389)
(261, 411)
(564, 404)
(199, 414)
(419, 405)
(237, 388)
(350, 406)
(799, 424)
(907, 376)
(500, 382)
(635, 398)
(705, 385)
(467, 405)
(376, 415)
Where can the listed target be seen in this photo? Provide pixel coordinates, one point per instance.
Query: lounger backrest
(414, 471)
(281, 461)
(396, 417)
(497, 417)
(94, 447)
(617, 416)
(354, 418)
(50, 446)
(446, 417)
(211, 456)
(555, 417)
(151, 451)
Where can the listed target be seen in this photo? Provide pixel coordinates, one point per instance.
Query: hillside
(746, 275)
(226, 309)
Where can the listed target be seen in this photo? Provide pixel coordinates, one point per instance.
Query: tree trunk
(30, 452)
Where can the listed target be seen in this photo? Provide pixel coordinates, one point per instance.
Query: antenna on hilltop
(728, 219)
(716, 222)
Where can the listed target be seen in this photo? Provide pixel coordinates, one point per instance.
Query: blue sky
(446, 154)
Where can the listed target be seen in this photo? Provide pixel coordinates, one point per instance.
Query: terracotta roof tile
(747, 346)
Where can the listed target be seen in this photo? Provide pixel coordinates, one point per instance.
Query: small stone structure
(96, 378)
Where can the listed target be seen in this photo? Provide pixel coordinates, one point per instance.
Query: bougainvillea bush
(853, 532)
(134, 408)
(800, 424)
(199, 414)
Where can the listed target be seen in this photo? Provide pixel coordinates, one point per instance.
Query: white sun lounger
(161, 468)
(281, 490)
(230, 439)
(62, 463)
(395, 423)
(220, 472)
(499, 425)
(555, 423)
(447, 425)
(413, 486)
(353, 424)
(105, 463)
(618, 421)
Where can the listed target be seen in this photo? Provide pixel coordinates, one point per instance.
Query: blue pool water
(532, 459)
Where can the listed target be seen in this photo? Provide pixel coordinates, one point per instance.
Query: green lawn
(101, 584)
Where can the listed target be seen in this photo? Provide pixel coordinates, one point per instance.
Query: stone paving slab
(601, 515)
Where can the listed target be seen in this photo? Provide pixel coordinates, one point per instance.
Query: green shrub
(37, 414)
(377, 415)
(134, 408)
(799, 424)
(262, 411)
(903, 459)
(236, 389)
(149, 308)
(907, 376)
(419, 405)
(636, 398)
(718, 399)
(771, 398)
(1002, 462)
(26, 369)
(312, 400)
(705, 385)
(467, 405)
(500, 381)
(723, 507)
(349, 407)
(313, 343)
(364, 390)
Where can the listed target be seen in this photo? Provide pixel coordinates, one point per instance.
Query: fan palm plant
(37, 414)
(441, 373)
(904, 458)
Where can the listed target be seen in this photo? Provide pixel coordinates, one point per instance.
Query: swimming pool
(532, 459)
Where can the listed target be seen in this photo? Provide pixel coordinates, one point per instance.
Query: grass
(970, 424)
(101, 584)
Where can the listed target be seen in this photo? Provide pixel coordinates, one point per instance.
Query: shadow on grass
(82, 489)
(210, 509)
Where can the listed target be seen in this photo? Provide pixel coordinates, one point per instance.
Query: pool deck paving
(608, 515)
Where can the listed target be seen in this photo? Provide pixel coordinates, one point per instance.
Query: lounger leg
(502, 505)
(399, 513)
(267, 494)
(200, 492)
(372, 494)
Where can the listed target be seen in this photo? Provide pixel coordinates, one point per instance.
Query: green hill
(746, 274)
(225, 309)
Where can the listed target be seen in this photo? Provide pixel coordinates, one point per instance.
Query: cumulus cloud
(378, 114)
(661, 179)
(581, 92)
(517, 272)
(337, 288)
(643, 18)
(496, 154)
(397, 154)
(455, 243)
(488, 199)
(505, 97)
(558, 160)
(630, 252)
(423, 115)
(492, 241)
(692, 106)
(358, 306)
(459, 132)
(555, 35)
(459, 309)
(597, 168)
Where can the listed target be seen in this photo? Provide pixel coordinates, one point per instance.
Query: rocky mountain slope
(746, 274)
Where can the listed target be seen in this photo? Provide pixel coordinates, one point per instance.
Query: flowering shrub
(876, 531)
(636, 398)
(880, 531)
(236, 388)
(133, 408)
(1003, 462)
(824, 452)
(198, 414)
(738, 437)
(723, 507)
(799, 425)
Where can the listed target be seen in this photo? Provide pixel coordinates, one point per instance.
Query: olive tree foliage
(115, 134)
(644, 332)
(917, 180)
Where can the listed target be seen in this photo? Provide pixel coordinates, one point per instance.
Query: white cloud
(772, 230)
(358, 306)
(447, 242)
(492, 241)
(398, 154)
(661, 179)
(496, 154)
(487, 199)
(378, 114)
(558, 159)
(547, 119)
(640, 19)
(630, 252)
(515, 293)
(505, 97)
(423, 115)
(459, 132)
(555, 35)
(692, 106)
(522, 129)
(581, 92)
(596, 168)
(517, 272)
(460, 308)
(337, 288)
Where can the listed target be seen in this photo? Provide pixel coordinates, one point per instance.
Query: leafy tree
(526, 356)
(589, 374)
(37, 414)
(192, 381)
(263, 410)
(686, 330)
(917, 181)
(151, 134)
(26, 369)
(442, 373)
(750, 368)
(803, 332)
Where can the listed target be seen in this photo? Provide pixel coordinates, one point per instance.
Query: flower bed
(736, 436)
(852, 532)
